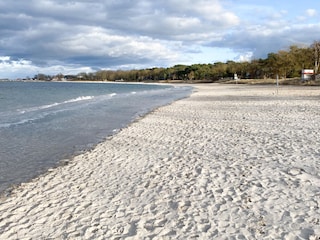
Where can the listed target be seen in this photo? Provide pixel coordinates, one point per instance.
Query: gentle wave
(82, 98)
(79, 99)
(23, 121)
(32, 114)
(35, 113)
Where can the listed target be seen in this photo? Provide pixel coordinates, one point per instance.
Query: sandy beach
(230, 162)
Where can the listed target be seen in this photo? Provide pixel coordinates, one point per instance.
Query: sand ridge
(230, 162)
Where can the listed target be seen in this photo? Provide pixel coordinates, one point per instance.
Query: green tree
(41, 77)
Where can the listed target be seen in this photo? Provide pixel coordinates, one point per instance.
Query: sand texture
(230, 162)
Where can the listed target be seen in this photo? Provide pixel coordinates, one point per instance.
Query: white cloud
(102, 43)
(21, 68)
(244, 57)
(311, 12)
(4, 58)
(10, 68)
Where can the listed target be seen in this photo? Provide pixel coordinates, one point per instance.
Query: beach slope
(230, 162)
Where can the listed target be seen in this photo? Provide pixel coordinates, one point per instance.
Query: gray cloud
(70, 35)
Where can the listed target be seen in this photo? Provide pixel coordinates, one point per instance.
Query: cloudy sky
(65, 36)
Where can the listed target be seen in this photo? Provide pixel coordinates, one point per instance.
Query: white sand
(231, 162)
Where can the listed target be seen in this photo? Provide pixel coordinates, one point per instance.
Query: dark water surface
(42, 123)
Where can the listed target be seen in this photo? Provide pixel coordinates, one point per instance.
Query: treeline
(284, 63)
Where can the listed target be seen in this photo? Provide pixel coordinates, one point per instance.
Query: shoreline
(230, 161)
(22, 166)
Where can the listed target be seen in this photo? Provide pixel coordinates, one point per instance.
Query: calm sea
(42, 123)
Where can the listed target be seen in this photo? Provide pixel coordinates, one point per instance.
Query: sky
(69, 37)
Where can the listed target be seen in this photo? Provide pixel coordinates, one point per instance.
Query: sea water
(42, 123)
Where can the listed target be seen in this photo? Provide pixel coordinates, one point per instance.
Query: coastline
(230, 161)
(64, 120)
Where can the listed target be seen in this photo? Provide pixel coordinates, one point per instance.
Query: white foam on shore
(78, 99)
(230, 162)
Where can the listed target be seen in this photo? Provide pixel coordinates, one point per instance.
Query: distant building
(306, 74)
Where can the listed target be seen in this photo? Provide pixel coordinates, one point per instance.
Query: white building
(306, 74)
